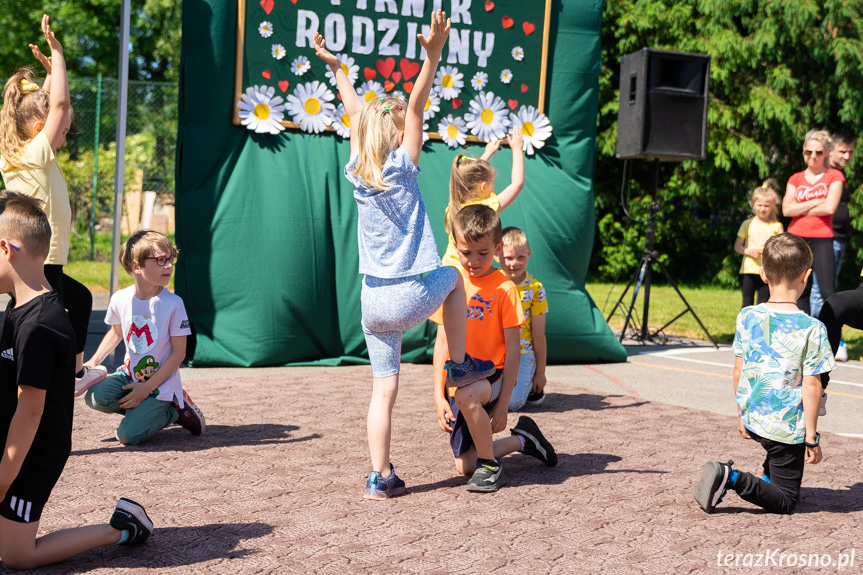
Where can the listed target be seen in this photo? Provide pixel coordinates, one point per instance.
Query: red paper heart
(268, 5)
(456, 103)
(524, 88)
(408, 68)
(294, 1)
(266, 74)
(512, 104)
(397, 76)
(369, 73)
(507, 22)
(389, 85)
(408, 86)
(528, 28)
(385, 67)
(489, 5)
(339, 96)
(283, 85)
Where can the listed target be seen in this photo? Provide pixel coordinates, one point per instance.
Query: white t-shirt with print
(147, 327)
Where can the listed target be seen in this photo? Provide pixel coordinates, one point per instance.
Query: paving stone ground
(274, 486)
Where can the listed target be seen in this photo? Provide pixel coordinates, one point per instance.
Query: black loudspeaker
(663, 106)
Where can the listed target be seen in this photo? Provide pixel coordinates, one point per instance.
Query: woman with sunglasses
(810, 199)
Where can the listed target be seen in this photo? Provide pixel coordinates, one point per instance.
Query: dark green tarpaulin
(267, 224)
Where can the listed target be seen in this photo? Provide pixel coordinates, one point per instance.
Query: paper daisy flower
(351, 69)
(371, 90)
(425, 133)
(432, 106)
(259, 111)
(310, 106)
(488, 117)
(449, 82)
(399, 95)
(479, 81)
(506, 76)
(535, 127)
(265, 29)
(453, 131)
(300, 65)
(518, 53)
(278, 51)
(342, 122)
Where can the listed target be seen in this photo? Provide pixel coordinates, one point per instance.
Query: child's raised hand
(516, 139)
(322, 52)
(438, 34)
(490, 148)
(42, 58)
(53, 43)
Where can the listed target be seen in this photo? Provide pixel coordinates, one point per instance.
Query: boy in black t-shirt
(37, 379)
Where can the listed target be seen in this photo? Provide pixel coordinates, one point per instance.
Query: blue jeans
(524, 383)
(815, 300)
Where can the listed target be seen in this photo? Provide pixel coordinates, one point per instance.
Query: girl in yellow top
(472, 182)
(751, 237)
(33, 126)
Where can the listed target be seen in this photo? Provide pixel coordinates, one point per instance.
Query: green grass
(97, 275)
(716, 308)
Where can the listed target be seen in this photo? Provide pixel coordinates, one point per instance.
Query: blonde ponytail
(23, 104)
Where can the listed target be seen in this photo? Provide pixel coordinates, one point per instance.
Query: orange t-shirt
(493, 304)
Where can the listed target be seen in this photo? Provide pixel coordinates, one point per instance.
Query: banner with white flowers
(492, 75)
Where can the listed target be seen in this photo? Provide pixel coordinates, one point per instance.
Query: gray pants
(140, 422)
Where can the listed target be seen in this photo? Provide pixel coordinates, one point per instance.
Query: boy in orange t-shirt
(474, 412)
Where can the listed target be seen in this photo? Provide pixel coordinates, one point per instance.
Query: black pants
(843, 308)
(784, 467)
(824, 266)
(750, 283)
(77, 300)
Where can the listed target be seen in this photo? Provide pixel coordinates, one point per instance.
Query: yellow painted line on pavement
(722, 376)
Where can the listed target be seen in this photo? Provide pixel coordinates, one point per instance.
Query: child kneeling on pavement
(781, 352)
(153, 323)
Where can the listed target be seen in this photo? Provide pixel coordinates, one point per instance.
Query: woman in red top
(810, 199)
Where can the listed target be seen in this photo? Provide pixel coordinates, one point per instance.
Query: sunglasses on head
(818, 153)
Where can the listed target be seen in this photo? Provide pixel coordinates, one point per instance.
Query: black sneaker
(534, 399)
(487, 478)
(715, 480)
(473, 369)
(131, 516)
(535, 443)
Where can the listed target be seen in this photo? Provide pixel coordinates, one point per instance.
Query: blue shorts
(460, 439)
(393, 306)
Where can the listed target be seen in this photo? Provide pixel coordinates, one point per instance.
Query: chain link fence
(89, 159)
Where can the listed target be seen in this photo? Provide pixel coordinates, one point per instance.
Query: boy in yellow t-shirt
(472, 413)
(513, 260)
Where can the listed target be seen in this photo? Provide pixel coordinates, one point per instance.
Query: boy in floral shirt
(781, 353)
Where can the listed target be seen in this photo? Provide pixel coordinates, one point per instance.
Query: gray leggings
(393, 306)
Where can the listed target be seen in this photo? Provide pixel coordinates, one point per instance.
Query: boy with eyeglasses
(153, 323)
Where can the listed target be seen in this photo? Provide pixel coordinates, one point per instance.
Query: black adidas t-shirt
(37, 349)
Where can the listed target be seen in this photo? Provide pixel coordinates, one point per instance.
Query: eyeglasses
(818, 153)
(162, 260)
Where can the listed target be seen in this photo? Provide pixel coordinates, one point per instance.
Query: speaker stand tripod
(642, 277)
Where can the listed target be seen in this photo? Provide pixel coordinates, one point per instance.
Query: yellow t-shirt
(533, 303)
(450, 258)
(39, 176)
(755, 233)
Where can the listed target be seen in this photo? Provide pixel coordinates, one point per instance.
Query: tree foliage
(777, 70)
(90, 31)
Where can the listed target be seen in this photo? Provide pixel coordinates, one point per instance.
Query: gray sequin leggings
(393, 306)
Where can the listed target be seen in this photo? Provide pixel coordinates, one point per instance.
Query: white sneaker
(92, 376)
(842, 352)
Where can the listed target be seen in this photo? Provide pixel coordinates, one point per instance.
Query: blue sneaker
(379, 487)
(461, 374)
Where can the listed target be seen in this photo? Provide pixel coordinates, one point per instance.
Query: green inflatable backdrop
(267, 224)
